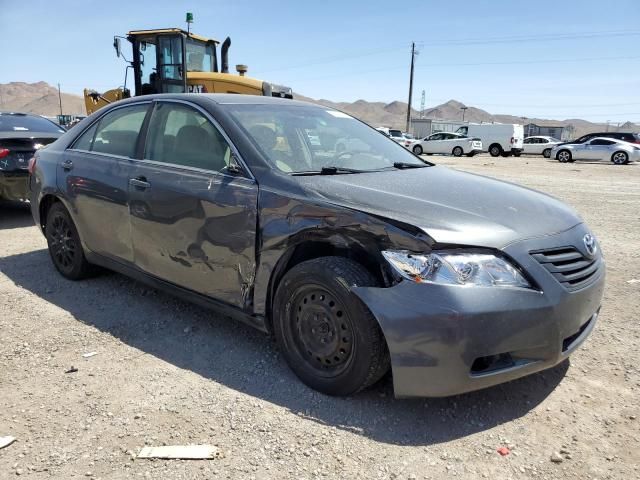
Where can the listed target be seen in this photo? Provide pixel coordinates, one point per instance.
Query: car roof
(21, 114)
(221, 99)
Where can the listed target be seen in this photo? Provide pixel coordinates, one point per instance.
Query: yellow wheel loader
(172, 60)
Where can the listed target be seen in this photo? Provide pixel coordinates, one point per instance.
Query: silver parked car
(539, 145)
(599, 148)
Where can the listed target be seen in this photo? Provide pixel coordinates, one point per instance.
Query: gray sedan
(356, 260)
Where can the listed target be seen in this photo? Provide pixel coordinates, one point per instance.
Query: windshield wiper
(330, 171)
(402, 165)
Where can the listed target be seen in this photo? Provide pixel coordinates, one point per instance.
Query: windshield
(201, 57)
(27, 123)
(307, 138)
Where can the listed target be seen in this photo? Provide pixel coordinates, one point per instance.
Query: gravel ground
(167, 372)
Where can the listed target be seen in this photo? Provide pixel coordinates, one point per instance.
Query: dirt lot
(167, 372)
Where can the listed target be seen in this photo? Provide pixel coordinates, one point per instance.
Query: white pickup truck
(497, 138)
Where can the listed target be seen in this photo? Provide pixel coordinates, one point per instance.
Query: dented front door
(195, 229)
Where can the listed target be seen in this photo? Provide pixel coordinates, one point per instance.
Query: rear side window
(602, 142)
(85, 141)
(116, 133)
(18, 122)
(181, 135)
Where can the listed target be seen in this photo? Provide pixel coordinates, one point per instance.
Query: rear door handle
(67, 165)
(140, 183)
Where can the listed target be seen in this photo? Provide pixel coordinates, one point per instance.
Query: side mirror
(234, 167)
(116, 45)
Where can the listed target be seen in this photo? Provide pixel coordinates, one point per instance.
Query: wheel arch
(44, 206)
(316, 247)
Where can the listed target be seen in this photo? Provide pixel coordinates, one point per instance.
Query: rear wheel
(327, 335)
(64, 244)
(417, 150)
(457, 151)
(620, 158)
(564, 156)
(495, 150)
(546, 153)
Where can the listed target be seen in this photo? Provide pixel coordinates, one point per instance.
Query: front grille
(569, 266)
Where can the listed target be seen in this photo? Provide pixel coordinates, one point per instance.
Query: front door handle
(67, 165)
(140, 183)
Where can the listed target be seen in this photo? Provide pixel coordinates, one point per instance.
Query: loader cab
(162, 58)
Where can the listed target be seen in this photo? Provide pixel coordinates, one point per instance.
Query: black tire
(417, 149)
(620, 158)
(546, 153)
(517, 154)
(495, 150)
(313, 304)
(457, 151)
(64, 244)
(564, 156)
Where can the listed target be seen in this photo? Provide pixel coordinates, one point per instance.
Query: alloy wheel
(62, 243)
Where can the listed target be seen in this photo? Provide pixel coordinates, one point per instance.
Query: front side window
(297, 138)
(181, 135)
(116, 133)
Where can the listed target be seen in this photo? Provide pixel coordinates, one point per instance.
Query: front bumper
(14, 185)
(446, 340)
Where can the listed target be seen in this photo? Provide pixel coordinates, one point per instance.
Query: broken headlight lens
(455, 268)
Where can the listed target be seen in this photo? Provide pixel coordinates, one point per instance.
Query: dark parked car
(21, 134)
(357, 259)
(625, 136)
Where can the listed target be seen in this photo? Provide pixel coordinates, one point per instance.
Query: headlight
(449, 268)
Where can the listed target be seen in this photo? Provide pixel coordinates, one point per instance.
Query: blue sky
(552, 59)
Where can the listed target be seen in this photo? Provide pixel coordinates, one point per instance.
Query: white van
(497, 138)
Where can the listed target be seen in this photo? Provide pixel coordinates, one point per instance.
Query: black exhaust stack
(224, 56)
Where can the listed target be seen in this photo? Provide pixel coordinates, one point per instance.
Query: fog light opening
(492, 363)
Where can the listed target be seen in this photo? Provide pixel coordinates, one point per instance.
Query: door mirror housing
(234, 167)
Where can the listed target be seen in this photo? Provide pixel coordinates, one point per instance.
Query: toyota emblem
(590, 244)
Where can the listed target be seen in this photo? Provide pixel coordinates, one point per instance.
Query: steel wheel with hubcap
(620, 158)
(417, 150)
(64, 244)
(327, 335)
(457, 151)
(546, 153)
(495, 150)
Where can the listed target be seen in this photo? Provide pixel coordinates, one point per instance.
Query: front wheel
(564, 156)
(417, 150)
(620, 158)
(327, 335)
(457, 152)
(546, 153)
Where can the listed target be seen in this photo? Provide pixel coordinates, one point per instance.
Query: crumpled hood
(450, 206)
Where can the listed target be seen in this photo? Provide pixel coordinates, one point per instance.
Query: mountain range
(42, 98)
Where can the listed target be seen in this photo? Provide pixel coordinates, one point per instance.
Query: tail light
(4, 152)
(32, 165)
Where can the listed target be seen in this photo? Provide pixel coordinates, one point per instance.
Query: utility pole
(60, 99)
(413, 57)
(422, 102)
(464, 110)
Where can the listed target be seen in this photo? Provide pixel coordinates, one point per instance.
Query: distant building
(547, 129)
(422, 127)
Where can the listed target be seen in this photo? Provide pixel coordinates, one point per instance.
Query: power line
(461, 42)
(476, 64)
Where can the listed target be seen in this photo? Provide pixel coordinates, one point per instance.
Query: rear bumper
(447, 340)
(14, 185)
